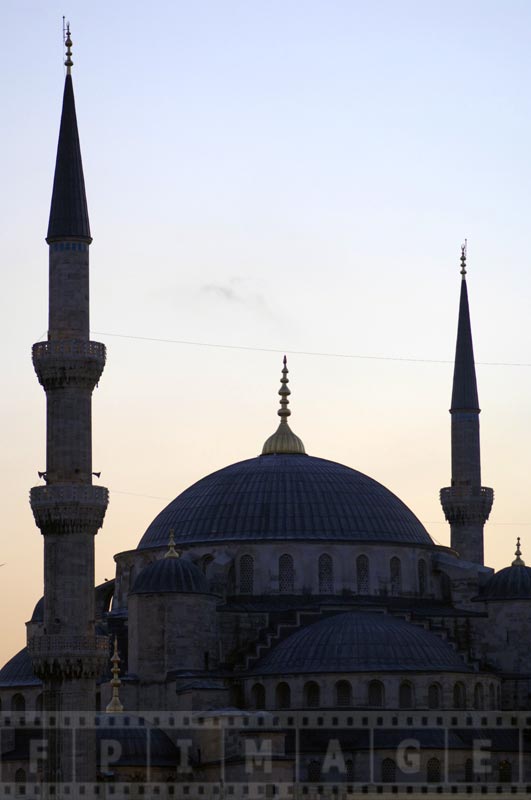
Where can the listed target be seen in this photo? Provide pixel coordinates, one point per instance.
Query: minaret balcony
(68, 656)
(69, 508)
(463, 505)
(68, 362)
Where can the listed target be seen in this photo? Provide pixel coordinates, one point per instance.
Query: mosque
(279, 599)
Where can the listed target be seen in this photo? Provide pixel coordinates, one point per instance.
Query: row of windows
(376, 695)
(18, 703)
(286, 574)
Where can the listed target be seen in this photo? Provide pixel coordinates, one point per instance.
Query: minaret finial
(172, 552)
(283, 441)
(463, 260)
(68, 44)
(115, 706)
(518, 561)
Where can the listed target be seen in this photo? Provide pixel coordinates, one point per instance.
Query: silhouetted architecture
(285, 598)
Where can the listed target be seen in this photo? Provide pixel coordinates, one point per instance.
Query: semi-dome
(286, 497)
(177, 575)
(361, 642)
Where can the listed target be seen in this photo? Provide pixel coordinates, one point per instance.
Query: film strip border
(262, 720)
(252, 791)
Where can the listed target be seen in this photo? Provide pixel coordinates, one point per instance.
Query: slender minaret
(466, 503)
(68, 509)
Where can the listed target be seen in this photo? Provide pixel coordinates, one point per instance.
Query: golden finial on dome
(518, 561)
(283, 441)
(463, 260)
(172, 552)
(115, 706)
(68, 44)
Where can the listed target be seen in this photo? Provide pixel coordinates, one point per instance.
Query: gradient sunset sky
(273, 176)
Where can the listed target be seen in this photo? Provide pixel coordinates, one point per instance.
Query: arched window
(459, 695)
(205, 563)
(479, 697)
(376, 694)
(433, 770)
(395, 569)
(343, 693)
(314, 771)
(258, 696)
(469, 770)
(18, 703)
(231, 580)
(312, 695)
(131, 578)
(39, 701)
(286, 574)
(505, 771)
(434, 696)
(492, 697)
(422, 577)
(283, 695)
(362, 574)
(388, 771)
(326, 574)
(20, 778)
(351, 775)
(246, 574)
(405, 695)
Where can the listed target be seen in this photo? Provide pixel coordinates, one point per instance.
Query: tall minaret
(466, 503)
(68, 509)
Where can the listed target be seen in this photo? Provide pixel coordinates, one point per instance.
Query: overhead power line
(319, 354)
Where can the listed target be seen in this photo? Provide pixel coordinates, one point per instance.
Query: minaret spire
(283, 441)
(68, 211)
(465, 390)
(466, 503)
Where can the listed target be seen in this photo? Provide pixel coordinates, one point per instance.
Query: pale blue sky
(289, 175)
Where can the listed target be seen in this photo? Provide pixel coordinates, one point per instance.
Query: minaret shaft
(69, 291)
(466, 461)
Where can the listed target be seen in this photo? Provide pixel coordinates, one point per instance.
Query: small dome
(176, 575)
(511, 583)
(361, 642)
(139, 743)
(19, 671)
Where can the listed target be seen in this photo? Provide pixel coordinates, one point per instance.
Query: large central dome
(286, 497)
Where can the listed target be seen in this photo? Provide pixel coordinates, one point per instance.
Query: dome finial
(172, 552)
(284, 392)
(518, 561)
(68, 44)
(115, 706)
(463, 260)
(283, 441)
